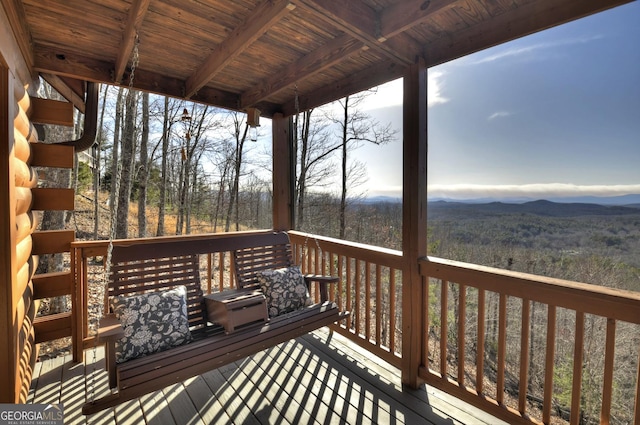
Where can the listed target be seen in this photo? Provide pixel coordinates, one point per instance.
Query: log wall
(19, 198)
(25, 179)
(17, 310)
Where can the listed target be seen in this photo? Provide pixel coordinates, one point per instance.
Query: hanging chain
(135, 58)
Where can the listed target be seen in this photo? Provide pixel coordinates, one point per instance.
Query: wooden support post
(414, 219)
(282, 175)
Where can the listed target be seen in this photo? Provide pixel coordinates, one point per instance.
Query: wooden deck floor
(316, 379)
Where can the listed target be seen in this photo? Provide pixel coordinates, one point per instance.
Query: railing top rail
(383, 256)
(587, 298)
(157, 239)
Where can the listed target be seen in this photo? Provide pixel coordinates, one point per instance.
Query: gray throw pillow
(152, 322)
(284, 289)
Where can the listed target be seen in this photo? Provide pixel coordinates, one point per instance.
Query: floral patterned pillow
(152, 322)
(284, 289)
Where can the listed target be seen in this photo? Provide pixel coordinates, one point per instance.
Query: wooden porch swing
(164, 265)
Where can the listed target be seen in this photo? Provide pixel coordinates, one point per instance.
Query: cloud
(518, 51)
(434, 89)
(499, 114)
(541, 190)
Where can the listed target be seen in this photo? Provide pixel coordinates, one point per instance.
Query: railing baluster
(358, 288)
(425, 322)
(349, 299)
(549, 360)
(607, 385)
(636, 409)
(480, 342)
(392, 311)
(502, 348)
(378, 305)
(444, 290)
(367, 301)
(578, 352)
(524, 355)
(209, 271)
(340, 283)
(462, 314)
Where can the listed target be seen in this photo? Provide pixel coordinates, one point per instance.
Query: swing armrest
(109, 329)
(323, 282)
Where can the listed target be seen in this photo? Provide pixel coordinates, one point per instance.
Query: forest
(166, 167)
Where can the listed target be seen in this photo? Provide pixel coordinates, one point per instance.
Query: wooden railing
(484, 329)
(477, 315)
(370, 288)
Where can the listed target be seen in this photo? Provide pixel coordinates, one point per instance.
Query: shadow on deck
(320, 378)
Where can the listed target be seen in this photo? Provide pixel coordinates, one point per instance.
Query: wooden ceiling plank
(361, 22)
(524, 20)
(355, 83)
(337, 50)
(405, 14)
(263, 17)
(134, 20)
(65, 91)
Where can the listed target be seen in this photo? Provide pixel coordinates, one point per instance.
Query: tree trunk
(163, 182)
(144, 172)
(128, 147)
(236, 176)
(115, 169)
(302, 179)
(97, 150)
(343, 196)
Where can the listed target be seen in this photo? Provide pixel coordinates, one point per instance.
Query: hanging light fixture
(253, 121)
(185, 115)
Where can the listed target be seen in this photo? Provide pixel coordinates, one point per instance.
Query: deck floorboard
(321, 378)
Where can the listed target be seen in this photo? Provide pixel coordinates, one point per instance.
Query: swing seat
(160, 266)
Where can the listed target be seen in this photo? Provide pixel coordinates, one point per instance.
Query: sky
(555, 113)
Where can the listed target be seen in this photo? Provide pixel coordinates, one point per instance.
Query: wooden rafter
(364, 80)
(65, 91)
(134, 20)
(263, 17)
(361, 22)
(317, 61)
(84, 68)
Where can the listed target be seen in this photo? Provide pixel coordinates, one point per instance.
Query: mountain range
(632, 201)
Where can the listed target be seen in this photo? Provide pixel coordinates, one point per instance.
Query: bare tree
(143, 172)
(314, 149)
(96, 151)
(356, 128)
(115, 175)
(240, 137)
(127, 174)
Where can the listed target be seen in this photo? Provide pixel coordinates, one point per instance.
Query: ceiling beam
(65, 91)
(355, 83)
(362, 22)
(267, 14)
(82, 68)
(524, 20)
(335, 51)
(134, 21)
